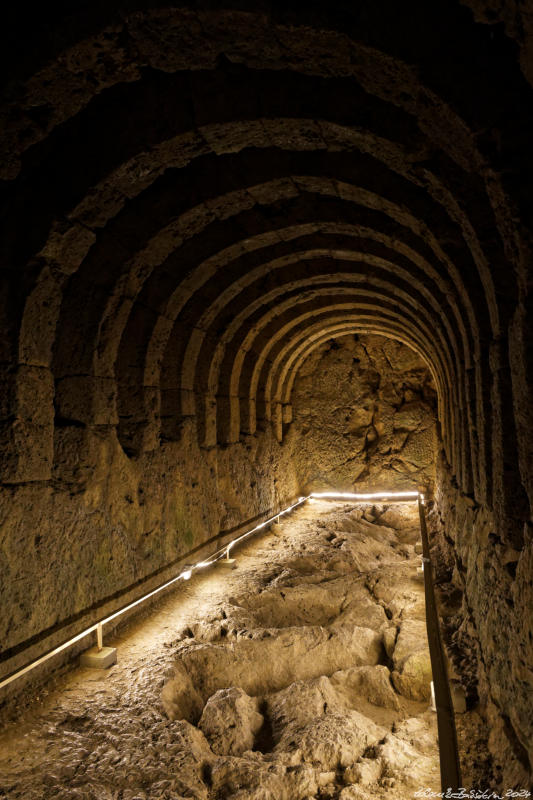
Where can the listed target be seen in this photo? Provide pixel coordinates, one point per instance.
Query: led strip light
(371, 496)
(217, 556)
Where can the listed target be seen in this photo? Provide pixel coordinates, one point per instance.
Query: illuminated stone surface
(363, 417)
(257, 692)
(99, 659)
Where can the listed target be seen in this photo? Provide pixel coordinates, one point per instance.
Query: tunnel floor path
(303, 673)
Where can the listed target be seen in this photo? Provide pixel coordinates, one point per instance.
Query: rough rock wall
(364, 416)
(364, 411)
(486, 592)
(64, 548)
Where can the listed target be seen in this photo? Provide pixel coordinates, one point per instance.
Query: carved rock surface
(380, 429)
(325, 696)
(412, 666)
(268, 659)
(274, 683)
(230, 721)
(370, 682)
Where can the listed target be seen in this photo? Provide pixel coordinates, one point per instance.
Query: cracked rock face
(316, 680)
(230, 721)
(412, 668)
(363, 412)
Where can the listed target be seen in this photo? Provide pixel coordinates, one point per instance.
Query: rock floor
(304, 673)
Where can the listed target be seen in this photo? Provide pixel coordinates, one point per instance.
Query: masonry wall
(486, 597)
(64, 549)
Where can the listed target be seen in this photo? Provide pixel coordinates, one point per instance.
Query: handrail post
(99, 637)
(450, 771)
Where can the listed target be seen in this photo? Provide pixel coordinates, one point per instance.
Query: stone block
(99, 659)
(87, 399)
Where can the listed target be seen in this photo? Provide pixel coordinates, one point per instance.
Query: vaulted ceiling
(195, 197)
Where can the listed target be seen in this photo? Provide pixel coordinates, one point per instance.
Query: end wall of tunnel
(363, 418)
(194, 200)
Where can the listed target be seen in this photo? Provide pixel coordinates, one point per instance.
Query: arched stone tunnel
(197, 200)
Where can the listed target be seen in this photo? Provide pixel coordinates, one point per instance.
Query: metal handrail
(450, 770)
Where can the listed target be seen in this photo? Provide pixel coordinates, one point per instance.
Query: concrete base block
(99, 659)
(228, 563)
